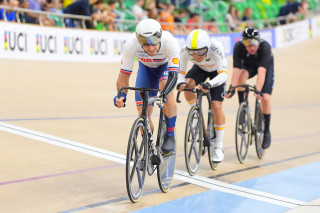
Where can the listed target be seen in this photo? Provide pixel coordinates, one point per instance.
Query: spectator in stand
(247, 14)
(106, 15)
(210, 26)
(80, 7)
(22, 15)
(36, 18)
(166, 19)
(10, 15)
(54, 6)
(33, 18)
(193, 22)
(152, 10)
(160, 5)
(293, 10)
(232, 18)
(46, 20)
(247, 17)
(139, 12)
(181, 28)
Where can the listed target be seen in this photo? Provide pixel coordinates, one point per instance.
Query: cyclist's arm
(260, 78)
(123, 81)
(171, 83)
(183, 66)
(221, 63)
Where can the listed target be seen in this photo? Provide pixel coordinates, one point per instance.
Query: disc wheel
(165, 170)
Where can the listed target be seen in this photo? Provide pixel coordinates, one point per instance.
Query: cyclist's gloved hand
(230, 92)
(180, 84)
(259, 93)
(123, 95)
(205, 85)
(163, 96)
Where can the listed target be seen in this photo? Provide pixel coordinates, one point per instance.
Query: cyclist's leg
(170, 113)
(194, 76)
(217, 96)
(245, 74)
(266, 104)
(144, 79)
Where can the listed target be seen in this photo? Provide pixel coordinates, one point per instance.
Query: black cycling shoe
(168, 144)
(266, 140)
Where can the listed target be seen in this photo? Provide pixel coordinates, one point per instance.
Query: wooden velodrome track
(58, 103)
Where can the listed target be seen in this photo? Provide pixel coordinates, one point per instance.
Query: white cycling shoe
(218, 154)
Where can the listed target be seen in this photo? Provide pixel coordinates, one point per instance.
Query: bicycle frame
(200, 94)
(257, 106)
(145, 106)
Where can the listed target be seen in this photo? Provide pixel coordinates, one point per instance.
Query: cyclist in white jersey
(209, 61)
(158, 54)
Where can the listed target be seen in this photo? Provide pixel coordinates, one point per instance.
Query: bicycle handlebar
(194, 90)
(247, 86)
(136, 88)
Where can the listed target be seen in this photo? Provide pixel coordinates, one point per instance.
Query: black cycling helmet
(251, 33)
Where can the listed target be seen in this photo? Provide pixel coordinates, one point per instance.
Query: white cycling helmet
(148, 32)
(198, 42)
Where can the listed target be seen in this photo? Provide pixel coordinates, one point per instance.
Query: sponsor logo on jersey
(175, 60)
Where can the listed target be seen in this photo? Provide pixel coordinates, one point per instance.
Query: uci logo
(118, 46)
(73, 45)
(98, 46)
(288, 35)
(46, 43)
(13, 41)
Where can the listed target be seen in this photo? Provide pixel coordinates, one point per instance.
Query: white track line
(179, 175)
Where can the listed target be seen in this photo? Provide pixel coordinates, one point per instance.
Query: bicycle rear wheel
(136, 161)
(259, 125)
(165, 170)
(193, 140)
(212, 138)
(243, 132)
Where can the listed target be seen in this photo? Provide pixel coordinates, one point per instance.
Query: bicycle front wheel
(165, 169)
(136, 161)
(259, 125)
(193, 140)
(243, 132)
(212, 138)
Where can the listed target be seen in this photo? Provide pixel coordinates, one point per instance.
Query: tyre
(259, 131)
(165, 170)
(212, 136)
(193, 140)
(136, 159)
(243, 132)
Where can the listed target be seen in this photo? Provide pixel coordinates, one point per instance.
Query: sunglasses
(198, 52)
(250, 42)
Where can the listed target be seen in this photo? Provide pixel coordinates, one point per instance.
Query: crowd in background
(104, 13)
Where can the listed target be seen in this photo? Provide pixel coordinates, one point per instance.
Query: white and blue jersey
(152, 69)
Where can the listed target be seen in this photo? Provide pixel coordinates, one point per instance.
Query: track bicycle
(248, 130)
(143, 155)
(198, 138)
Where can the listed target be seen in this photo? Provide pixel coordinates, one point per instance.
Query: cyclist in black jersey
(252, 56)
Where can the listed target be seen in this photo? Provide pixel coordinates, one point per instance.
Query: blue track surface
(300, 183)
